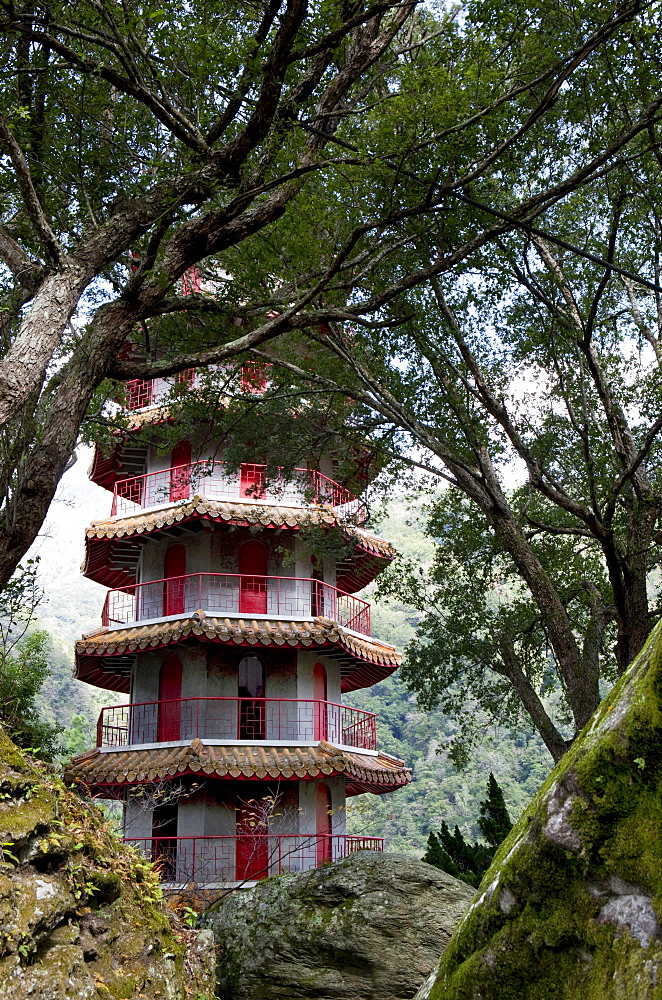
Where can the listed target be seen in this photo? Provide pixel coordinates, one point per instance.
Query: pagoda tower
(231, 648)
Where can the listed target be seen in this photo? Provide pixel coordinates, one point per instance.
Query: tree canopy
(526, 378)
(139, 141)
(315, 164)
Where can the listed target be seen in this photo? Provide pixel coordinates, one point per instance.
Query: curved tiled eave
(97, 769)
(104, 658)
(113, 546)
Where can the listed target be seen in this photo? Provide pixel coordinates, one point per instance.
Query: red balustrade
(228, 719)
(212, 480)
(212, 861)
(151, 392)
(223, 594)
(253, 378)
(139, 393)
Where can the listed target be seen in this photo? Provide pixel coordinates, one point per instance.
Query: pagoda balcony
(209, 862)
(232, 595)
(212, 480)
(144, 393)
(225, 719)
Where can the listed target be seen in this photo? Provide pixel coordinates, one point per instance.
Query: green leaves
(22, 673)
(466, 861)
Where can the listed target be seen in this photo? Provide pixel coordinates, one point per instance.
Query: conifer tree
(494, 822)
(453, 854)
(436, 855)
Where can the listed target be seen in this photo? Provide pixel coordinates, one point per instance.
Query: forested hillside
(439, 791)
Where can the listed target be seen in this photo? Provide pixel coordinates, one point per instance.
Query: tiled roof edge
(135, 766)
(319, 631)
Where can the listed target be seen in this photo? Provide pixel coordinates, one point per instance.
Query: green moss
(533, 932)
(108, 886)
(52, 836)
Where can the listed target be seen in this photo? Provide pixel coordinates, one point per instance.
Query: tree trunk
(22, 368)
(526, 693)
(48, 458)
(582, 690)
(628, 576)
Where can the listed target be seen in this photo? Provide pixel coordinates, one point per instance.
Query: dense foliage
(462, 859)
(526, 378)
(451, 852)
(22, 674)
(24, 665)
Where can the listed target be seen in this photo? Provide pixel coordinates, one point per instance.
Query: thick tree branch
(27, 272)
(33, 207)
(528, 696)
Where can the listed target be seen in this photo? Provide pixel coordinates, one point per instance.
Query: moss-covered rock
(571, 908)
(81, 914)
(366, 928)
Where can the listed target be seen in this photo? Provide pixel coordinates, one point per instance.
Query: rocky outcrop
(81, 914)
(370, 927)
(571, 908)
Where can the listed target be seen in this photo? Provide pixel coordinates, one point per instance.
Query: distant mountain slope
(520, 763)
(72, 604)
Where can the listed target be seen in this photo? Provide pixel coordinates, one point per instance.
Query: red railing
(212, 861)
(254, 719)
(252, 482)
(223, 594)
(253, 378)
(150, 392)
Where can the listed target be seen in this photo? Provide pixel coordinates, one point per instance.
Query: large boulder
(81, 914)
(572, 906)
(370, 927)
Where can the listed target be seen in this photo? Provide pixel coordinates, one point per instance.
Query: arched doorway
(180, 471)
(252, 859)
(323, 821)
(170, 693)
(252, 578)
(174, 586)
(321, 727)
(251, 693)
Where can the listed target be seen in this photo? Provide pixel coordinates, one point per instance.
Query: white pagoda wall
(306, 660)
(308, 806)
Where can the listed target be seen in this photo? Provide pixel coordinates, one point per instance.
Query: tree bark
(582, 691)
(23, 366)
(47, 462)
(628, 574)
(526, 693)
